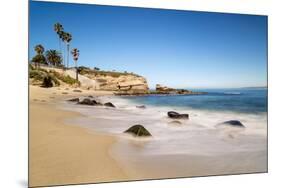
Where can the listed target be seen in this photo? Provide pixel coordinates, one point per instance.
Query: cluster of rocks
(139, 130)
(172, 91)
(160, 90)
(91, 102)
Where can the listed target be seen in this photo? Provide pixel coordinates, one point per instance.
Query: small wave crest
(232, 93)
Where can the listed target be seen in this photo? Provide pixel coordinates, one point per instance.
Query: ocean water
(206, 112)
(236, 100)
(201, 135)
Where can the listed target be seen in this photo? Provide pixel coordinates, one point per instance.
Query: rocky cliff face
(126, 83)
(123, 83)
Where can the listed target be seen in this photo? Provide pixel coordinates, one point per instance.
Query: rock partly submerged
(176, 115)
(141, 106)
(138, 131)
(109, 104)
(172, 91)
(233, 123)
(88, 101)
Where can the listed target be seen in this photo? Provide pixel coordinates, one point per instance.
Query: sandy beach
(70, 143)
(65, 154)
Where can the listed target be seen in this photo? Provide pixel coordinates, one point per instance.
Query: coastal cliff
(121, 82)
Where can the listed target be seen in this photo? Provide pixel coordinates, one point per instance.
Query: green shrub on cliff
(97, 72)
(66, 79)
(36, 75)
(44, 77)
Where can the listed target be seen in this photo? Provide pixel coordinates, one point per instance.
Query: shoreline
(131, 158)
(140, 157)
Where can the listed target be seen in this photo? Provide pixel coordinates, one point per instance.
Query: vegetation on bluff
(50, 78)
(97, 72)
(64, 78)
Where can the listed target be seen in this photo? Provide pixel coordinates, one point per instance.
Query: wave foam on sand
(198, 144)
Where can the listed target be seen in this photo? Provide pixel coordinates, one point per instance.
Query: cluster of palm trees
(64, 37)
(54, 57)
(51, 57)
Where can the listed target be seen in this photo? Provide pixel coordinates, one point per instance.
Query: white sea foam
(199, 135)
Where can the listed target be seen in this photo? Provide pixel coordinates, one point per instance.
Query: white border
(13, 77)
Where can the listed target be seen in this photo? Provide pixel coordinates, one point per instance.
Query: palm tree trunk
(76, 70)
(59, 43)
(64, 63)
(67, 55)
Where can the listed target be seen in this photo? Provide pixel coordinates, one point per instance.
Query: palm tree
(58, 29)
(39, 58)
(67, 37)
(39, 49)
(75, 54)
(53, 57)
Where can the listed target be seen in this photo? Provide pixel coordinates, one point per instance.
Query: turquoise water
(236, 100)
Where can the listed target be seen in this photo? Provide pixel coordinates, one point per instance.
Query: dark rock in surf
(109, 104)
(88, 101)
(233, 123)
(138, 130)
(74, 100)
(141, 106)
(176, 115)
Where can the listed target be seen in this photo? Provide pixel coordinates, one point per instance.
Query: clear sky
(180, 49)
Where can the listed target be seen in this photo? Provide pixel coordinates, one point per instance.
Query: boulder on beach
(47, 82)
(233, 123)
(138, 130)
(109, 104)
(74, 100)
(176, 115)
(88, 101)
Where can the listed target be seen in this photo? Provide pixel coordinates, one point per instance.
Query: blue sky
(180, 49)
